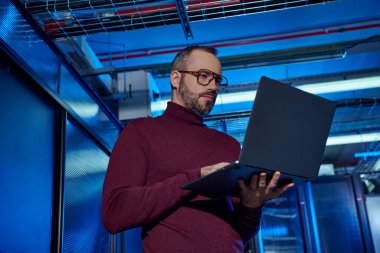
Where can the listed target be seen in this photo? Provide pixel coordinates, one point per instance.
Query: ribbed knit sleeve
(247, 221)
(127, 201)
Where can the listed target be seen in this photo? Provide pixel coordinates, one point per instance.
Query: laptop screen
(288, 130)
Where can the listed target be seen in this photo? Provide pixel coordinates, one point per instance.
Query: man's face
(193, 100)
(200, 99)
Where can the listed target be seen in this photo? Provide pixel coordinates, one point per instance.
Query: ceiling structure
(298, 42)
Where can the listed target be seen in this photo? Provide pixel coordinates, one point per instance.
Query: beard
(191, 99)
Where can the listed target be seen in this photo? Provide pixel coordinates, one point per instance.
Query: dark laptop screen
(288, 130)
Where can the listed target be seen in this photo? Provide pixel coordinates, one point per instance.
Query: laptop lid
(287, 130)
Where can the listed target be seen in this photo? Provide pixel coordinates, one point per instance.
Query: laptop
(287, 132)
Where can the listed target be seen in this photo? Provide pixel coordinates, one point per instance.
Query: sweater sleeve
(247, 220)
(127, 202)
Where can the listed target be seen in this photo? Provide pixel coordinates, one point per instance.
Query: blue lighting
(260, 239)
(366, 154)
(276, 231)
(313, 217)
(8, 15)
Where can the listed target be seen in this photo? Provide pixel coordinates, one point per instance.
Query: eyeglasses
(205, 76)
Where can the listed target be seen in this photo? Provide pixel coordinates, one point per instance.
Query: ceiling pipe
(242, 61)
(43, 7)
(148, 15)
(252, 41)
(190, 6)
(140, 16)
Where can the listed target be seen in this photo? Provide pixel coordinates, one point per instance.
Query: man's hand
(257, 192)
(209, 169)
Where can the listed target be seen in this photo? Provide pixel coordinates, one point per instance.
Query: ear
(175, 79)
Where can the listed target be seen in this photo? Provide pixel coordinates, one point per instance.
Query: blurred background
(73, 73)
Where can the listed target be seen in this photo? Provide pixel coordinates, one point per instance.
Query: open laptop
(287, 132)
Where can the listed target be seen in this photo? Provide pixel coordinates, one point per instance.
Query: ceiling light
(351, 139)
(377, 165)
(236, 97)
(344, 85)
(367, 154)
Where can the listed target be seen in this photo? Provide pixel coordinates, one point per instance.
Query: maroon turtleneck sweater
(151, 160)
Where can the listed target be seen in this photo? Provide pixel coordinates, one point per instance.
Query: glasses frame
(214, 77)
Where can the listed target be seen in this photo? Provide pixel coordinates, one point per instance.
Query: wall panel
(85, 166)
(27, 128)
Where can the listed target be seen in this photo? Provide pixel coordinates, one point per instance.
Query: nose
(213, 85)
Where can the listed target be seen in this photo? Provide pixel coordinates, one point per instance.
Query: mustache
(209, 93)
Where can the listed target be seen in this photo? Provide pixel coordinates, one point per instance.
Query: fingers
(221, 165)
(257, 192)
(253, 183)
(211, 168)
(262, 181)
(243, 187)
(258, 182)
(275, 178)
(217, 166)
(285, 187)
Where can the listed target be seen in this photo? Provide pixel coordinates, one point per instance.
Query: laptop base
(224, 182)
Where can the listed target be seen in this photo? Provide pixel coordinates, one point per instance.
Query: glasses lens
(204, 77)
(221, 80)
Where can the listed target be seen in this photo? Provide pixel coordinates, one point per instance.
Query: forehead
(204, 60)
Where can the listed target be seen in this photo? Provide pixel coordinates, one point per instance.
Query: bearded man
(154, 157)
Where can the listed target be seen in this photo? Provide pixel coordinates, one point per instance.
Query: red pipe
(238, 43)
(191, 6)
(142, 11)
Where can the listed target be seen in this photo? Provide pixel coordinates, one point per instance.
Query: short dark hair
(181, 59)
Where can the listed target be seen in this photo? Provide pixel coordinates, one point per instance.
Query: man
(154, 157)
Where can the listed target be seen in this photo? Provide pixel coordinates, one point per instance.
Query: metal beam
(234, 62)
(182, 13)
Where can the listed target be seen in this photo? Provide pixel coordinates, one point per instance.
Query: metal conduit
(69, 18)
(251, 41)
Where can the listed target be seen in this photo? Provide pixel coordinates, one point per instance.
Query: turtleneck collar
(182, 113)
